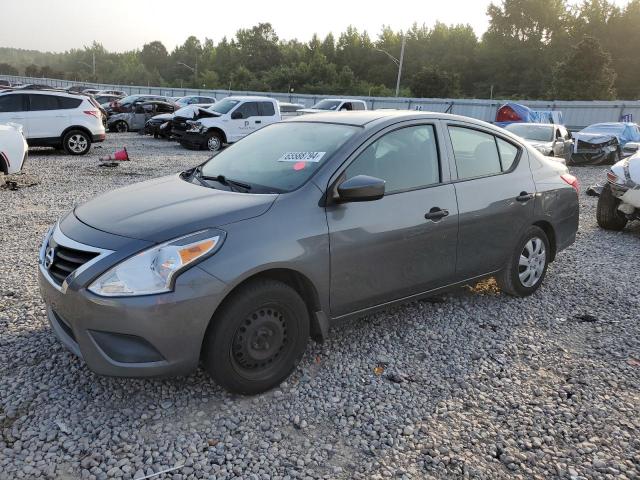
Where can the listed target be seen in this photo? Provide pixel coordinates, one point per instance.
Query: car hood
(163, 117)
(538, 144)
(594, 137)
(313, 110)
(168, 207)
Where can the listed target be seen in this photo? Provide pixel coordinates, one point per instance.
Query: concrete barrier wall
(577, 114)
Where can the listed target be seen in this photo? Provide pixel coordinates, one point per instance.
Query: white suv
(54, 119)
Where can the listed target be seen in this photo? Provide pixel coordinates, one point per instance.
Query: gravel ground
(474, 384)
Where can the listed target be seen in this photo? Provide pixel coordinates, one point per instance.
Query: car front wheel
(214, 141)
(76, 142)
(257, 338)
(527, 266)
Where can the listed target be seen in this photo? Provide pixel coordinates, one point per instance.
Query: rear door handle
(258, 121)
(524, 197)
(436, 214)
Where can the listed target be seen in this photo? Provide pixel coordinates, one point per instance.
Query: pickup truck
(335, 105)
(233, 118)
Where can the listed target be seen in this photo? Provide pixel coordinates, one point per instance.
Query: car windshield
(327, 105)
(279, 157)
(224, 106)
(538, 133)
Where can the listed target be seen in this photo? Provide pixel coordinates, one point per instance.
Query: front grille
(66, 260)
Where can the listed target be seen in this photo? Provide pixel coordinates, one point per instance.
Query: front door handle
(436, 214)
(524, 197)
(258, 121)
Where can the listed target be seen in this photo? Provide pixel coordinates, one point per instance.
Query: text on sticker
(302, 157)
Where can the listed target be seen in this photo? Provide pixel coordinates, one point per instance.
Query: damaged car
(549, 139)
(619, 198)
(170, 125)
(137, 118)
(603, 143)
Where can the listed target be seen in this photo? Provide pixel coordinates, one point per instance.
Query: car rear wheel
(214, 141)
(527, 266)
(607, 213)
(257, 338)
(121, 126)
(76, 142)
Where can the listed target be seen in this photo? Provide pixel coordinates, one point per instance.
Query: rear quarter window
(66, 103)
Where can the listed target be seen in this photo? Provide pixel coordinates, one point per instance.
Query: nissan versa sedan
(238, 262)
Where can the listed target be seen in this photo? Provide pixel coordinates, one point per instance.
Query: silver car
(238, 262)
(550, 139)
(137, 117)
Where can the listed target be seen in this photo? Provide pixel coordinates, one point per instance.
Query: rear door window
(478, 154)
(43, 102)
(266, 109)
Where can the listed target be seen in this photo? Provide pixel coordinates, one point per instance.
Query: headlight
(154, 270)
(194, 127)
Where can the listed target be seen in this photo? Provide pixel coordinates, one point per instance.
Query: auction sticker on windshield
(302, 157)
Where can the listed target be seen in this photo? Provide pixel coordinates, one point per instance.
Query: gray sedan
(238, 262)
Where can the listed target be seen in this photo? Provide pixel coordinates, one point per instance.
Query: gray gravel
(474, 384)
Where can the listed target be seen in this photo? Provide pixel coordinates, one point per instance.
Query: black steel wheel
(257, 337)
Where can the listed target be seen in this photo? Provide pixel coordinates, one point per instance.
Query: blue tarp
(530, 116)
(624, 132)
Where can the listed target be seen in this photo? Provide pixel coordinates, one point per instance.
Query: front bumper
(192, 140)
(153, 335)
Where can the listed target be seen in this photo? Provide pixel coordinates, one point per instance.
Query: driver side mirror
(361, 188)
(236, 115)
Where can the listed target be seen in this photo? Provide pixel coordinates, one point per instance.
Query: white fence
(577, 114)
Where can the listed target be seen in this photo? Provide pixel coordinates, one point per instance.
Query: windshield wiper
(232, 184)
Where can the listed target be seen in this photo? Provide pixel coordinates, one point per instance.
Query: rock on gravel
(476, 385)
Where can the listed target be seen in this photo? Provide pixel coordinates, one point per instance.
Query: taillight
(571, 180)
(507, 114)
(612, 177)
(93, 113)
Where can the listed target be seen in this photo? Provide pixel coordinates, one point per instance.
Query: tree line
(533, 49)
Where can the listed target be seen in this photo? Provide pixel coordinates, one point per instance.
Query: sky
(58, 25)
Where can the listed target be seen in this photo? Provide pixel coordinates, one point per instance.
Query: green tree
(586, 73)
(430, 82)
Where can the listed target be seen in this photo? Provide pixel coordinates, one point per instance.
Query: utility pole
(399, 63)
(404, 41)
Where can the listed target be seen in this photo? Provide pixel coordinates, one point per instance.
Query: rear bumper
(99, 137)
(154, 335)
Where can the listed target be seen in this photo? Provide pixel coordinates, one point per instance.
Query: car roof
(342, 100)
(363, 118)
(535, 123)
(61, 93)
(250, 97)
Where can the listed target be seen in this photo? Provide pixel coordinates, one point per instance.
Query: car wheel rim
(532, 262)
(121, 127)
(77, 143)
(260, 341)
(213, 143)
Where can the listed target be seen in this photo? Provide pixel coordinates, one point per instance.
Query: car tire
(76, 142)
(527, 266)
(607, 214)
(257, 337)
(120, 126)
(214, 141)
